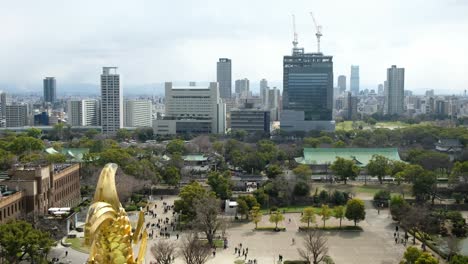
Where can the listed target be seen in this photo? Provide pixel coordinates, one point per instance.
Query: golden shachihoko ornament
(108, 231)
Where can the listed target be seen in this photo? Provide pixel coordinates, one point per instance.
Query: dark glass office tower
(307, 91)
(50, 90)
(224, 77)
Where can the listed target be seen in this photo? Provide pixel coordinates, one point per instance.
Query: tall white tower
(111, 101)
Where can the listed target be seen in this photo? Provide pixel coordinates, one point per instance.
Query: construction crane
(295, 42)
(318, 33)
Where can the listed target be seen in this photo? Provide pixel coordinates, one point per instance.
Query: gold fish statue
(108, 231)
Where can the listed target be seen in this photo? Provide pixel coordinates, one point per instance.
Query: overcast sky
(157, 41)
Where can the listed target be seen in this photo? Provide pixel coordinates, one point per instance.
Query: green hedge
(270, 228)
(332, 228)
(296, 262)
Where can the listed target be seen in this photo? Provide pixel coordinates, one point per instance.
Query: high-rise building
(396, 90)
(17, 115)
(111, 101)
(307, 92)
(138, 113)
(250, 120)
(242, 86)
(50, 90)
(264, 92)
(342, 83)
(4, 101)
(380, 89)
(192, 110)
(430, 93)
(224, 77)
(354, 81)
(352, 105)
(84, 112)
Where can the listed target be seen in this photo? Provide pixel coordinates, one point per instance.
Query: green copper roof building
(321, 156)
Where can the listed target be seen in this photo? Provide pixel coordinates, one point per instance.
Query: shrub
(338, 198)
(382, 195)
(270, 228)
(458, 197)
(323, 196)
(301, 189)
(131, 207)
(332, 228)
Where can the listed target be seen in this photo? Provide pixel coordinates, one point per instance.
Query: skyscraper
(380, 89)
(138, 113)
(224, 77)
(242, 86)
(307, 92)
(84, 112)
(111, 101)
(17, 115)
(342, 83)
(396, 90)
(4, 101)
(354, 82)
(50, 90)
(264, 92)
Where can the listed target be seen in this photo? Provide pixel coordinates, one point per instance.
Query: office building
(352, 106)
(50, 90)
(342, 83)
(17, 115)
(380, 89)
(224, 77)
(83, 112)
(264, 92)
(138, 113)
(242, 86)
(111, 101)
(307, 92)
(192, 110)
(354, 81)
(250, 120)
(274, 103)
(396, 90)
(4, 101)
(430, 93)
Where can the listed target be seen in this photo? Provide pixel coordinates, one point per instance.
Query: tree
(301, 189)
(379, 166)
(123, 134)
(23, 144)
(339, 212)
(188, 195)
(220, 184)
(411, 255)
(426, 258)
(355, 210)
(325, 213)
(242, 207)
(417, 219)
(7, 159)
(194, 251)
(34, 132)
(56, 158)
(249, 200)
(176, 146)
(302, 171)
(256, 215)
(315, 247)
(261, 197)
(459, 259)
(171, 176)
(163, 251)
(308, 216)
(273, 170)
(423, 186)
(460, 170)
(91, 133)
(207, 210)
(345, 169)
(19, 240)
(276, 217)
(398, 206)
(144, 133)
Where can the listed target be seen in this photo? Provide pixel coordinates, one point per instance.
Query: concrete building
(111, 101)
(352, 106)
(242, 87)
(50, 90)
(264, 92)
(396, 90)
(307, 92)
(83, 112)
(274, 103)
(192, 110)
(380, 89)
(342, 83)
(138, 113)
(36, 189)
(17, 115)
(224, 77)
(250, 120)
(354, 81)
(4, 101)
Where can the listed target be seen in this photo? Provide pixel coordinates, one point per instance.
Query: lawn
(348, 125)
(294, 209)
(78, 244)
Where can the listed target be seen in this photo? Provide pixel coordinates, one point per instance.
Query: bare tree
(206, 219)
(194, 251)
(163, 251)
(315, 247)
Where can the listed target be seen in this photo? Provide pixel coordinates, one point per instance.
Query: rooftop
(362, 156)
(194, 157)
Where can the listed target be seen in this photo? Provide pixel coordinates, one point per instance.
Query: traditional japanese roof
(322, 156)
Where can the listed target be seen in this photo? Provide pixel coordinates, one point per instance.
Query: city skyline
(412, 35)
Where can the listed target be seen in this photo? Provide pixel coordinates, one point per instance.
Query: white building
(17, 115)
(192, 109)
(84, 112)
(138, 113)
(111, 101)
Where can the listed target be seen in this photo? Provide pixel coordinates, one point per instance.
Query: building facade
(138, 113)
(342, 83)
(4, 101)
(250, 120)
(50, 90)
(307, 92)
(192, 109)
(17, 115)
(354, 80)
(242, 87)
(224, 77)
(83, 112)
(111, 101)
(395, 91)
(264, 92)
